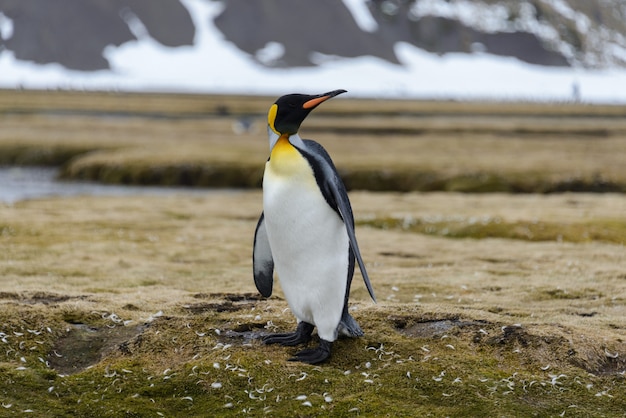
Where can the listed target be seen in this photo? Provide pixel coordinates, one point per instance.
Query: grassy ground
(378, 145)
(146, 305)
(489, 304)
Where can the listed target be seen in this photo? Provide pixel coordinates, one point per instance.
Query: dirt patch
(556, 347)
(199, 308)
(431, 326)
(229, 302)
(44, 298)
(244, 333)
(512, 335)
(435, 328)
(84, 346)
(594, 358)
(399, 254)
(233, 297)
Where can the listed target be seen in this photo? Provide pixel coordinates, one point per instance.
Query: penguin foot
(300, 336)
(314, 355)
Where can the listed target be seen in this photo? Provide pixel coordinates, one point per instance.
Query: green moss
(479, 228)
(233, 175)
(559, 293)
(407, 180)
(480, 183)
(472, 368)
(39, 154)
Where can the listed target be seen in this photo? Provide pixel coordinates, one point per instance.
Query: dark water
(23, 183)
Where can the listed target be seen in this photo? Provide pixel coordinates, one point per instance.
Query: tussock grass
(154, 295)
(377, 145)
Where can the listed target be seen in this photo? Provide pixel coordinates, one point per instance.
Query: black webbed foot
(302, 335)
(316, 355)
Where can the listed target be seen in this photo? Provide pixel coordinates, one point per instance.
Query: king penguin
(306, 232)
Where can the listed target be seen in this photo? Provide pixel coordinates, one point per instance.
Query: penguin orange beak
(311, 104)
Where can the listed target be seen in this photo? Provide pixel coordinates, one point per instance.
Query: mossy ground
(598, 230)
(409, 363)
(489, 304)
(141, 306)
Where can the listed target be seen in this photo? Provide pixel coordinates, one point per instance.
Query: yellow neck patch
(271, 117)
(283, 149)
(285, 159)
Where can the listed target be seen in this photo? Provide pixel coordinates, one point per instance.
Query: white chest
(308, 240)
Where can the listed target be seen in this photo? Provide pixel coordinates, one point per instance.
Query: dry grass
(463, 326)
(378, 145)
(188, 104)
(493, 304)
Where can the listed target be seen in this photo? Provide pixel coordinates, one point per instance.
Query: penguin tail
(348, 326)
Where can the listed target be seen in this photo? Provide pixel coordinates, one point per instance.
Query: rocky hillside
(298, 33)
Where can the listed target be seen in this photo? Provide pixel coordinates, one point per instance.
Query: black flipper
(316, 355)
(302, 335)
(343, 205)
(262, 260)
(336, 196)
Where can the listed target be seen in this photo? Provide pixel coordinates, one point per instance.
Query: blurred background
(443, 95)
(554, 50)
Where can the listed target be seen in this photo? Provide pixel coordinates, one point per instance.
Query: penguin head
(288, 112)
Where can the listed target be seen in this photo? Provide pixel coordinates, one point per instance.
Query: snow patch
(582, 22)
(135, 24)
(214, 65)
(6, 27)
(270, 53)
(362, 15)
(486, 17)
